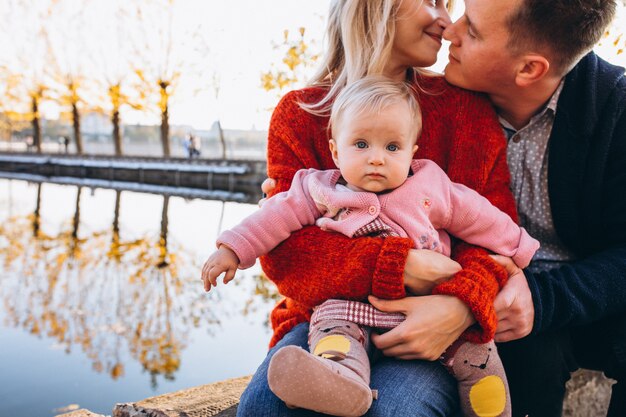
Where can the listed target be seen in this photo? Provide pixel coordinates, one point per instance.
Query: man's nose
(449, 33)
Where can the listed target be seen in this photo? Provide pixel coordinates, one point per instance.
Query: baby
(379, 189)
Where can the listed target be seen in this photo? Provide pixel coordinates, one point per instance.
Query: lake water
(101, 301)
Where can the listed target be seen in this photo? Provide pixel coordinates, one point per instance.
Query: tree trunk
(165, 132)
(116, 213)
(37, 214)
(76, 221)
(36, 125)
(117, 133)
(163, 238)
(76, 121)
(6, 129)
(220, 131)
(165, 117)
(74, 242)
(114, 252)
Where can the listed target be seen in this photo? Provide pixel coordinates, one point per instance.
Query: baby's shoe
(304, 380)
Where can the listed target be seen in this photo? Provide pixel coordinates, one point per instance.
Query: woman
(462, 135)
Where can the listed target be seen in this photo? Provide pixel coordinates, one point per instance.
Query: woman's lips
(435, 36)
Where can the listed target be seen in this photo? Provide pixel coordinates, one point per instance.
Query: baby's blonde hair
(372, 95)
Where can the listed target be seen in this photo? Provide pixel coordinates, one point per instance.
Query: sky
(244, 33)
(240, 38)
(243, 36)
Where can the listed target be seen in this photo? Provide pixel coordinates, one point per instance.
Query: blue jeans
(405, 388)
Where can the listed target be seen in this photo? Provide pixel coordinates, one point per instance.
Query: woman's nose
(443, 20)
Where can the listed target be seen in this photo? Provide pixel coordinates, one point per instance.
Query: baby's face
(374, 150)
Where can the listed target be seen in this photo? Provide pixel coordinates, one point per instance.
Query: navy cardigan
(587, 187)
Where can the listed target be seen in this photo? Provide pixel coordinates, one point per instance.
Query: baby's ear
(415, 148)
(332, 144)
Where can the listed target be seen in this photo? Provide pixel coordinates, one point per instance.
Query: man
(564, 112)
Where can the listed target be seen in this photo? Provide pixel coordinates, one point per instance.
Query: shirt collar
(551, 107)
(555, 98)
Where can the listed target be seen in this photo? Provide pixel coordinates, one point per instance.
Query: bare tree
(67, 53)
(161, 56)
(25, 22)
(112, 58)
(209, 61)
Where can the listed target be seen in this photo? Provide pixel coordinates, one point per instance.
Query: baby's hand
(222, 260)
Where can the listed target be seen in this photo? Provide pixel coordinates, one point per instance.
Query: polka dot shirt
(527, 156)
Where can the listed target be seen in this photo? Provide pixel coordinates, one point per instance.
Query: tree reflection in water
(102, 293)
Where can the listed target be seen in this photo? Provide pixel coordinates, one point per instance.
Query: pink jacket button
(372, 210)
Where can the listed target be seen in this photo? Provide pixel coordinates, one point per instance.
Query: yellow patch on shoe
(488, 396)
(332, 343)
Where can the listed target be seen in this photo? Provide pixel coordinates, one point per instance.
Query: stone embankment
(226, 180)
(587, 396)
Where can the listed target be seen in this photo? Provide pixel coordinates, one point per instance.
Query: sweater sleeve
(473, 219)
(280, 216)
(481, 278)
(313, 265)
(580, 292)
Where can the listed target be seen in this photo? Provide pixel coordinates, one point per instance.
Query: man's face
(479, 57)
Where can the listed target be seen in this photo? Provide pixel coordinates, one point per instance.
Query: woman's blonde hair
(373, 94)
(360, 36)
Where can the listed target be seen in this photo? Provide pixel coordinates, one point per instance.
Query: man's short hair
(565, 29)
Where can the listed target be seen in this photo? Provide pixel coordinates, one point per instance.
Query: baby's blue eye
(361, 144)
(392, 148)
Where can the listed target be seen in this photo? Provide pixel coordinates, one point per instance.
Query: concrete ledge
(219, 399)
(588, 394)
(80, 413)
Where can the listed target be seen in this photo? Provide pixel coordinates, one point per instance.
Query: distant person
(64, 141)
(196, 145)
(30, 143)
(188, 145)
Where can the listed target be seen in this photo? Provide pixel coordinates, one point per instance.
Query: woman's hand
(424, 269)
(432, 323)
(513, 304)
(267, 187)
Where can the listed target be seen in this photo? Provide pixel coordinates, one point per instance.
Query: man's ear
(532, 68)
(333, 151)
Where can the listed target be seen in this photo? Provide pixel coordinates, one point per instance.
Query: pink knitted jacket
(424, 208)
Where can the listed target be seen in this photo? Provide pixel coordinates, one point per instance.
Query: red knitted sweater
(461, 134)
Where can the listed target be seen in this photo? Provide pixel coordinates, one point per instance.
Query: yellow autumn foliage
(296, 60)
